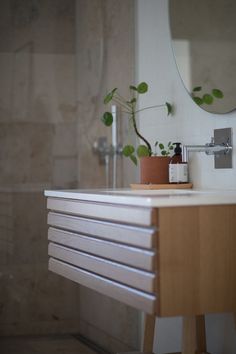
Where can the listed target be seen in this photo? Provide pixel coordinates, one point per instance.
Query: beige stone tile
(29, 237)
(43, 345)
(65, 172)
(65, 140)
(34, 300)
(26, 153)
(66, 89)
(116, 320)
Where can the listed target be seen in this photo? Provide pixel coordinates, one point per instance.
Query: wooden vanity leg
(201, 334)
(194, 335)
(149, 329)
(189, 335)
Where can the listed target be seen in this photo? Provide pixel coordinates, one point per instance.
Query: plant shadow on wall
(144, 151)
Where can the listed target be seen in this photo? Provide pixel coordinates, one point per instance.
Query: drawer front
(133, 256)
(108, 248)
(124, 274)
(120, 292)
(136, 236)
(117, 213)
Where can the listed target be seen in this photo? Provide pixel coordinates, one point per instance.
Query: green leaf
(197, 88)
(142, 151)
(128, 150)
(156, 143)
(164, 153)
(109, 96)
(169, 108)
(134, 88)
(142, 87)
(161, 146)
(217, 93)
(198, 100)
(133, 100)
(171, 147)
(169, 143)
(107, 119)
(134, 159)
(207, 98)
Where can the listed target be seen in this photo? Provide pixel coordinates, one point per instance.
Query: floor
(63, 344)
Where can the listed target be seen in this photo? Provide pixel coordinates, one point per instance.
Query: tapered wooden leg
(189, 335)
(201, 334)
(194, 335)
(149, 329)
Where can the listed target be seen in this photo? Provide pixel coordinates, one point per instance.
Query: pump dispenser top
(177, 157)
(177, 149)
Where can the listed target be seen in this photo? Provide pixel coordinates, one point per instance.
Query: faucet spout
(209, 149)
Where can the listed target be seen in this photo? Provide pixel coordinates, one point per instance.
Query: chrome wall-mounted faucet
(220, 146)
(107, 152)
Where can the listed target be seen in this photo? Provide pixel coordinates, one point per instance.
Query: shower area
(58, 58)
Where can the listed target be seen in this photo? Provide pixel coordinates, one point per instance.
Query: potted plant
(154, 169)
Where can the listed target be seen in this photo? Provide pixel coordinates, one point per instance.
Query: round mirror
(204, 43)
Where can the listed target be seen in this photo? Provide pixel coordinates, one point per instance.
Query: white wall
(190, 124)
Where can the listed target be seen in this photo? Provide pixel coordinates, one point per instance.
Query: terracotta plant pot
(154, 170)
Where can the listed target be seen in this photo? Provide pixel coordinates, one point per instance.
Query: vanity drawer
(130, 296)
(104, 211)
(137, 236)
(133, 277)
(132, 256)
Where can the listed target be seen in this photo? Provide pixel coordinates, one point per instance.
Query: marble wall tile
(64, 172)
(105, 58)
(56, 62)
(21, 21)
(33, 301)
(64, 140)
(102, 314)
(37, 128)
(26, 153)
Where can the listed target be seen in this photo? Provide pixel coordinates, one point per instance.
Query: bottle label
(178, 173)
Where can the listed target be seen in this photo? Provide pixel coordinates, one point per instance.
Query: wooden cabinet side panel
(197, 260)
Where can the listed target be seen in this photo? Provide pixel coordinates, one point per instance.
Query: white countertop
(149, 198)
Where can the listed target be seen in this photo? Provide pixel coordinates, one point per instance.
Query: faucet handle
(212, 143)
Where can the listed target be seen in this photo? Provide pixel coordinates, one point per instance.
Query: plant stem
(125, 112)
(122, 99)
(119, 103)
(139, 135)
(143, 109)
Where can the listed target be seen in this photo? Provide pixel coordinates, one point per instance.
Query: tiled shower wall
(37, 114)
(105, 59)
(57, 59)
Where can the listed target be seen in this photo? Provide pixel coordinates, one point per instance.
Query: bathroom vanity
(166, 252)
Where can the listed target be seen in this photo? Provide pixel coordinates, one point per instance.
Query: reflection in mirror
(204, 43)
